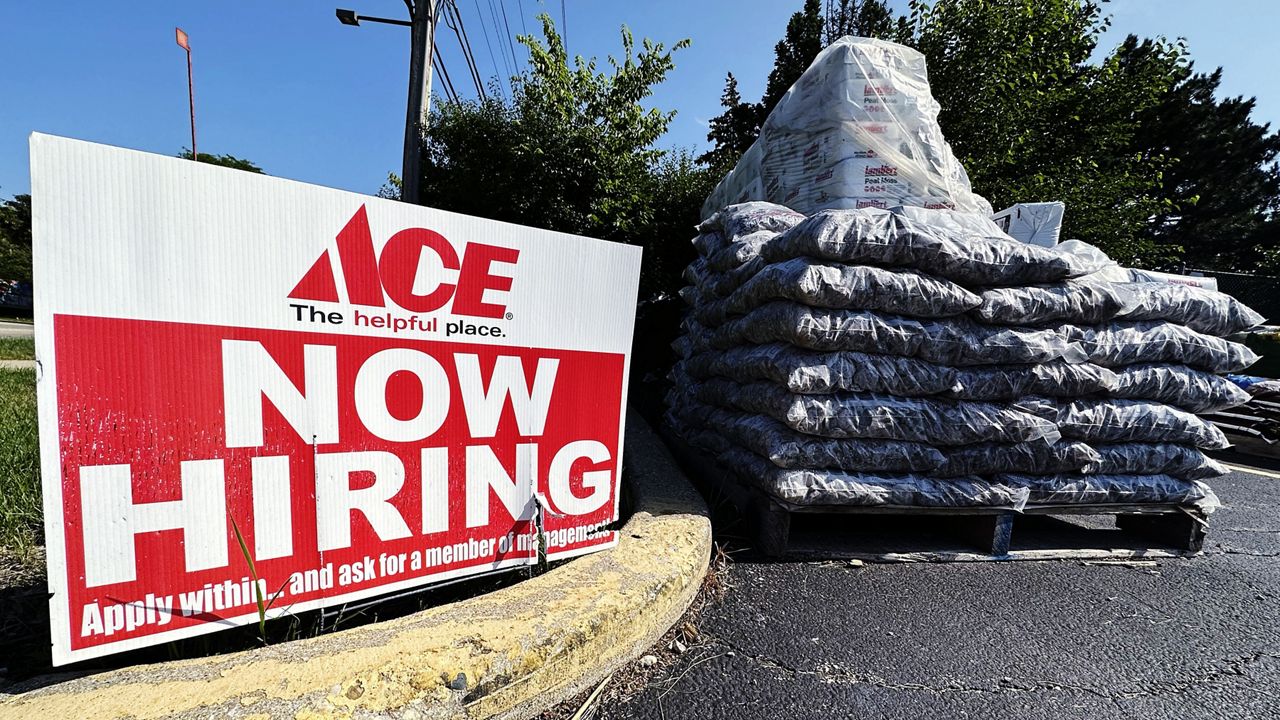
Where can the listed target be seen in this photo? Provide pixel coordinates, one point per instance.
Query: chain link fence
(1260, 292)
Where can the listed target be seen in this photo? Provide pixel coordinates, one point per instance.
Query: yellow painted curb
(511, 653)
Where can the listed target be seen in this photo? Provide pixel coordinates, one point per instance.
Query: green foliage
(1033, 119)
(808, 31)
(20, 513)
(17, 348)
(1222, 182)
(572, 150)
(732, 131)
(869, 18)
(793, 54)
(1151, 166)
(230, 161)
(15, 239)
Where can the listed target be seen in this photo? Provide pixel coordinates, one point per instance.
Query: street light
(422, 21)
(351, 17)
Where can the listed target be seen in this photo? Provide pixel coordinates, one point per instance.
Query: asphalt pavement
(1184, 638)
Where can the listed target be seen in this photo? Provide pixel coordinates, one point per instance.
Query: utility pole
(422, 24)
(423, 14)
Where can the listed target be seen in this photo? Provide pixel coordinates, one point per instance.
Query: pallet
(1255, 446)
(966, 534)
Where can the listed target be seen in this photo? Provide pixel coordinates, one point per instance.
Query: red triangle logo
(318, 283)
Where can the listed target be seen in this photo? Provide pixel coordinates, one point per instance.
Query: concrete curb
(509, 654)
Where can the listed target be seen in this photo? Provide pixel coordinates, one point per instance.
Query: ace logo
(369, 278)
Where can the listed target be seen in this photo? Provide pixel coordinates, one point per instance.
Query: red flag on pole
(182, 39)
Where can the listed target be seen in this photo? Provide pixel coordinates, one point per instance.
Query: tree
(572, 150)
(1222, 181)
(732, 131)
(869, 18)
(1032, 117)
(793, 53)
(230, 161)
(15, 238)
(808, 31)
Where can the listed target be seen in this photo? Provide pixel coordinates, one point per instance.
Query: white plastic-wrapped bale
(858, 129)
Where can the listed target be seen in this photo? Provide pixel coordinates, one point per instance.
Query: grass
(21, 523)
(17, 348)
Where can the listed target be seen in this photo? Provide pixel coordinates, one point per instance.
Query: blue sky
(282, 83)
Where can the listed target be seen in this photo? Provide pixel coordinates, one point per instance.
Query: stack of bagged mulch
(922, 358)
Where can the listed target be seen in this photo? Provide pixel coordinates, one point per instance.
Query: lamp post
(185, 43)
(422, 23)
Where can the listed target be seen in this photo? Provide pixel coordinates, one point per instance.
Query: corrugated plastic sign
(375, 396)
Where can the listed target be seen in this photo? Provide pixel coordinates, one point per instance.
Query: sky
(284, 84)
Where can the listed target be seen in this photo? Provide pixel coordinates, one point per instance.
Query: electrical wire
(564, 27)
(502, 4)
(492, 57)
(449, 93)
(453, 19)
(523, 28)
(497, 32)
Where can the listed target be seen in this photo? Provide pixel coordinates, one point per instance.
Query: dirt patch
(655, 664)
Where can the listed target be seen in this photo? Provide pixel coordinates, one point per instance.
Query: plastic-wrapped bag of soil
(1113, 489)
(741, 250)
(1180, 461)
(950, 341)
(1131, 343)
(1206, 311)
(1193, 390)
(709, 242)
(1082, 300)
(850, 415)
(1033, 458)
(827, 330)
(721, 284)
(813, 373)
(1051, 379)
(1123, 421)
(787, 448)
(857, 287)
(877, 237)
(834, 487)
(745, 218)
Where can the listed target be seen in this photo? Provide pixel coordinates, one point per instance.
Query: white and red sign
(377, 396)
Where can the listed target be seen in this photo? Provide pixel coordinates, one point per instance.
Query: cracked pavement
(1188, 638)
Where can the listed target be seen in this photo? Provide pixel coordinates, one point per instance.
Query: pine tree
(793, 54)
(869, 18)
(1222, 184)
(732, 131)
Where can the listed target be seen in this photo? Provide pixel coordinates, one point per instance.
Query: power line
(564, 27)
(523, 28)
(497, 32)
(502, 4)
(449, 93)
(492, 57)
(454, 20)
